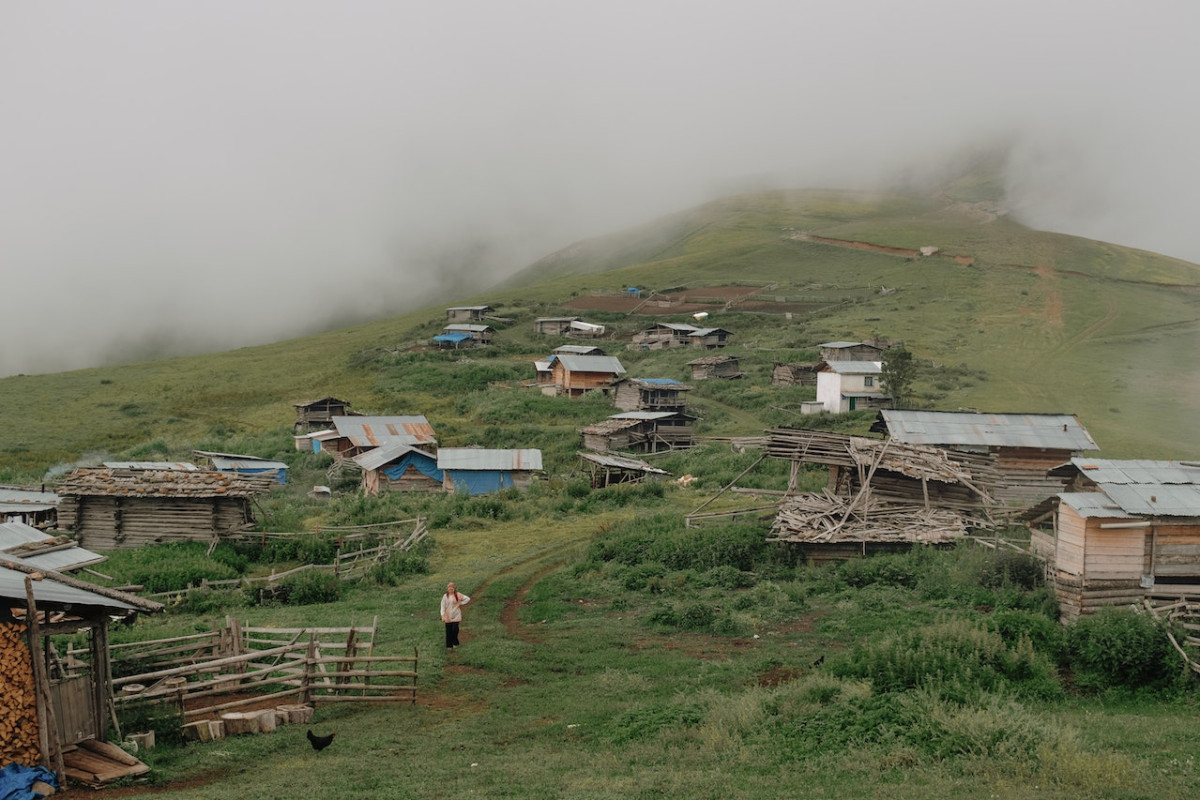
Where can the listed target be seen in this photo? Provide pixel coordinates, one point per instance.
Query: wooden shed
(313, 415)
(46, 715)
(1026, 447)
(477, 470)
(708, 338)
(398, 466)
(480, 334)
(605, 469)
(799, 373)
(662, 335)
(727, 367)
(35, 507)
(577, 375)
(850, 351)
(650, 394)
(108, 508)
(1126, 530)
(467, 313)
(640, 432)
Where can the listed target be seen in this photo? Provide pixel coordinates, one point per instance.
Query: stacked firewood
(826, 517)
(18, 712)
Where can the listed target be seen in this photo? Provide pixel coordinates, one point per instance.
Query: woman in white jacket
(452, 603)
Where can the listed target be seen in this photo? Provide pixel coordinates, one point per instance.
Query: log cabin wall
(1024, 482)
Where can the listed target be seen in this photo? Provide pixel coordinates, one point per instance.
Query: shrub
(1118, 647)
(1006, 568)
(305, 588)
(399, 566)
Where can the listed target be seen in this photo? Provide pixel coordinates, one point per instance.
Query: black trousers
(451, 634)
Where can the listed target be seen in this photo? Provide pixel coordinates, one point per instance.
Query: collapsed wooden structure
(108, 509)
(609, 470)
(880, 493)
(640, 432)
(724, 366)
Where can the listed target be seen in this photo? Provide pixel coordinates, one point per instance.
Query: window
(868, 381)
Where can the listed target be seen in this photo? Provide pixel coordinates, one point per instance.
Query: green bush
(168, 567)
(1119, 648)
(305, 588)
(1004, 568)
(398, 567)
(164, 718)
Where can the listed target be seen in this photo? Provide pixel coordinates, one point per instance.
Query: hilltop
(1005, 319)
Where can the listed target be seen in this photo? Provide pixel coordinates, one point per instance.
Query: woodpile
(18, 713)
(827, 517)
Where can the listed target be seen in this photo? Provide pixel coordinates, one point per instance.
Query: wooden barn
(706, 367)
(35, 507)
(799, 373)
(45, 716)
(352, 436)
(1124, 531)
(605, 469)
(107, 509)
(708, 338)
(476, 470)
(577, 375)
(313, 415)
(850, 351)
(1026, 447)
(650, 394)
(553, 326)
(640, 432)
(468, 313)
(850, 386)
(398, 466)
(663, 335)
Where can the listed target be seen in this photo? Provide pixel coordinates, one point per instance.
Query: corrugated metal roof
(1156, 500)
(15, 534)
(611, 425)
(25, 508)
(1105, 471)
(229, 463)
(48, 591)
(707, 331)
(374, 431)
(478, 458)
(542, 366)
(468, 327)
(678, 327)
(1093, 504)
(170, 466)
(1046, 431)
(609, 364)
(667, 382)
(854, 367)
(844, 345)
(621, 462)
(308, 403)
(579, 350)
(647, 415)
(8, 495)
(580, 325)
(557, 319)
(470, 308)
(389, 451)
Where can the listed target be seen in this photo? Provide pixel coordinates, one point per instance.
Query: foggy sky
(184, 176)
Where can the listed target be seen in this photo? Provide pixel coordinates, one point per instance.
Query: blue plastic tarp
(424, 464)
(480, 481)
(16, 782)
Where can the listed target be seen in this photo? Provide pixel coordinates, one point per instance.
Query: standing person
(452, 603)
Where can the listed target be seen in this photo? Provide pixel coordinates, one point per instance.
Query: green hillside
(1020, 320)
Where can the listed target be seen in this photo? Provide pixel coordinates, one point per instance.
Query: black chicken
(320, 742)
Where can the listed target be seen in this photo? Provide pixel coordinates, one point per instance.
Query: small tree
(897, 374)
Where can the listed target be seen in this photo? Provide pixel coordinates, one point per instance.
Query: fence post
(310, 659)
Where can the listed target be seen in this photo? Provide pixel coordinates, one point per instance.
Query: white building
(850, 385)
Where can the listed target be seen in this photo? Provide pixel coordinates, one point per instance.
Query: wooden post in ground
(47, 720)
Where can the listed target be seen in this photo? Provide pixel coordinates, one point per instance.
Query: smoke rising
(184, 177)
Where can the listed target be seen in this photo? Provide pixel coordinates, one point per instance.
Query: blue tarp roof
(452, 337)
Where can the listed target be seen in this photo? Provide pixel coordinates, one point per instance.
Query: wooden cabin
(1125, 531)
(398, 466)
(480, 334)
(468, 313)
(650, 394)
(605, 469)
(708, 338)
(553, 326)
(706, 367)
(850, 351)
(313, 415)
(800, 373)
(352, 436)
(1026, 447)
(107, 508)
(576, 375)
(35, 507)
(663, 335)
(35, 604)
(850, 386)
(476, 470)
(640, 432)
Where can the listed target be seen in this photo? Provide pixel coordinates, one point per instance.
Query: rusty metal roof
(478, 458)
(1045, 431)
(374, 431)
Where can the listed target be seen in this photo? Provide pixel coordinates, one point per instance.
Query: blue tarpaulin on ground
(16, 782)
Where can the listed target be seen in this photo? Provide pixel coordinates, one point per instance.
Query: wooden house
(313, 415)
(352, 436)
(708, 338)
(1025, 447)
(107, 508)
(605, 469)
(476, 470)
(1125, 530)
(650, 394)
(706, 367)
(663, 335)
(398, 466)
(850, 386)
(480, 334)
(553, 326)
(799, 373)
(47, 716)
(850, 351)
(640, 432)
(468, 313)
(35, 507)
(577, 375)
